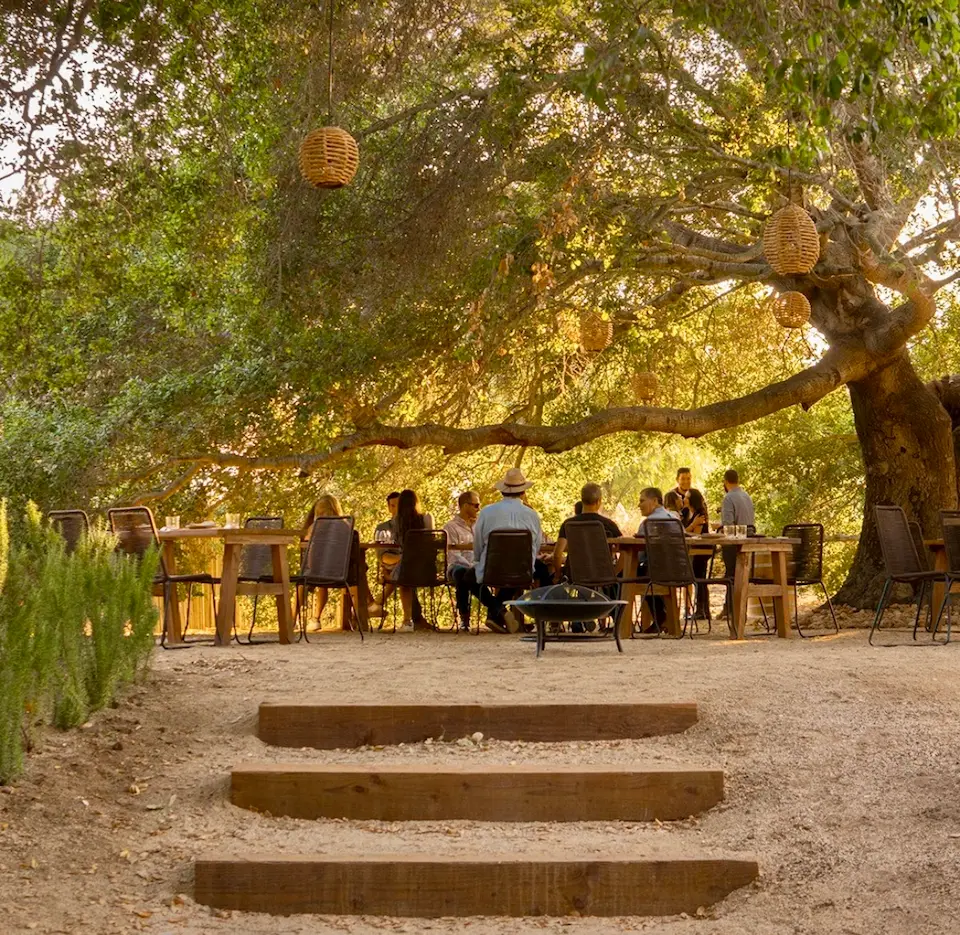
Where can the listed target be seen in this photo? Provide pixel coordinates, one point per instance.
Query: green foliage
(74, 628)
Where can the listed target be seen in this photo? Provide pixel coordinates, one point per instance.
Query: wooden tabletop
(232, 534)
(752, 542)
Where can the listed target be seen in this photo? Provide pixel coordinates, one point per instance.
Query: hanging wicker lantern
(596, 332)
(645, 385)
(329, 157)
(791, 243)
(791, 309)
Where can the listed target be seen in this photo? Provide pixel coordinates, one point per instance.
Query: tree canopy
(187, 320)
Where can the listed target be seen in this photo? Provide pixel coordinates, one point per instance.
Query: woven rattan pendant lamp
(791, 309)
(329, 157)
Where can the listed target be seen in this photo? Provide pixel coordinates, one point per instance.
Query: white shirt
(509, 513)
(459, 532)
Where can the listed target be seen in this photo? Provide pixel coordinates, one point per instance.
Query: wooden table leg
(281, 573)
(741, 582)
(672, 602)
(782, 605)
(629, 591)
(172, 613)
(227, 610)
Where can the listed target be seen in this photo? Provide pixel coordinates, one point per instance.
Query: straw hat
(513, 482)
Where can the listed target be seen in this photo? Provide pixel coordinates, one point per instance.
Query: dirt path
(842, 777)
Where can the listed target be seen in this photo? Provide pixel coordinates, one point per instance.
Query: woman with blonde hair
(325, 505)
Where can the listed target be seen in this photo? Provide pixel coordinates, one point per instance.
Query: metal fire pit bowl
(565, 603)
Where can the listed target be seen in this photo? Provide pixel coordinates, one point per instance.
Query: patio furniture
(72, 525)
(950, 523)
(256, 570)
(565, 603)
(901, 563)
(669, 565)
(423, 564)
(136, 532)
(326, 563)
(508, 565)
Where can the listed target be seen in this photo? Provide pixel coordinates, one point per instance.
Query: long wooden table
(940, 563)
(743, 589)
(233, 541)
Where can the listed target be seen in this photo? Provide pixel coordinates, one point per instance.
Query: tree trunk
(908, 455)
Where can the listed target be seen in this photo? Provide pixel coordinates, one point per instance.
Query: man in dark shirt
(591, 496)
(683, 488)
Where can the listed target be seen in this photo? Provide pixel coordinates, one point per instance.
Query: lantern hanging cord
(330, 59)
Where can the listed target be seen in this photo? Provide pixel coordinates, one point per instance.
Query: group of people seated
(468, 535)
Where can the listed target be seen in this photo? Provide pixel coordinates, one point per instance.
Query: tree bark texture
(907, 445)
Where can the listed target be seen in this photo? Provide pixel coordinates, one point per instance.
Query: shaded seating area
(136, 532)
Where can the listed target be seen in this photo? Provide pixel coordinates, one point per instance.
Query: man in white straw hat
(509, 513)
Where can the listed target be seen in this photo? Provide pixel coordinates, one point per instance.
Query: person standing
(460, 562)
(736, 510)
(684, 489)
(509, 513)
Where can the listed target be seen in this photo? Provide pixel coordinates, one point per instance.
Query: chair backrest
(588, 553)
(135, 530)
(923, 553)
(950, 523)
(807, 559)
(326, 560)
(423, 559)
(256, 561)
(896, 542)
(73, 525)
(668, 561)
(508, 561)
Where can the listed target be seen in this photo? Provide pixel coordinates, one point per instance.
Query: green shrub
(74, 628)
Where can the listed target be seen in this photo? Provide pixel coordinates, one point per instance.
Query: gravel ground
(841, 768)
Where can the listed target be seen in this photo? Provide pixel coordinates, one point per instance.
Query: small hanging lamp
(645, 385)
(791, 243)
(596, 332)
(791, 309)
(329, 156)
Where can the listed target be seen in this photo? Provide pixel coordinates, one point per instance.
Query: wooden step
(428, 887)
(476, 793)
(332, 726)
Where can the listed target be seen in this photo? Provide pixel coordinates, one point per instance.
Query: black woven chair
(508, 562)
(668, 565)
(901, 562)
(590, 563)
(329, 561)
(806, 566)
(423, 564)
(950, 524)
(136, 532)
(256, 568)
(72, 525)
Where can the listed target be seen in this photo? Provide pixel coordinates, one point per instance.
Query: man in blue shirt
(510, 512)
(651, 505)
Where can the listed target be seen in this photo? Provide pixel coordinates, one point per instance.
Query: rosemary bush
(74, 628)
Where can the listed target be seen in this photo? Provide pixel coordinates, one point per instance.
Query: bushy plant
(74, 627)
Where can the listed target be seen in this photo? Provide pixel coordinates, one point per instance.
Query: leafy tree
(180, 298)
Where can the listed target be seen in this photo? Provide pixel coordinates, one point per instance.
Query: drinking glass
(232, 521)
(741, 532)
(171, 522)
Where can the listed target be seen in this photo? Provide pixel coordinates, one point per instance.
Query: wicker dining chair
(950, 524)
(329, 561)
(72, 525)
(591, 564)
(136, 532)
(256, 568)
(423, 564)
(901, 562)
(806, 566)
(669, 565)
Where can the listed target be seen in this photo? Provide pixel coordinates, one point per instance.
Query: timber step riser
(436, 793)
(455, 886)
(328, 727)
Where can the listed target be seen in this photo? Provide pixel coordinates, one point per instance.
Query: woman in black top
(409, 517)
(696, 522)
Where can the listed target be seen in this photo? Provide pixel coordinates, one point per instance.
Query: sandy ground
(841, 761)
